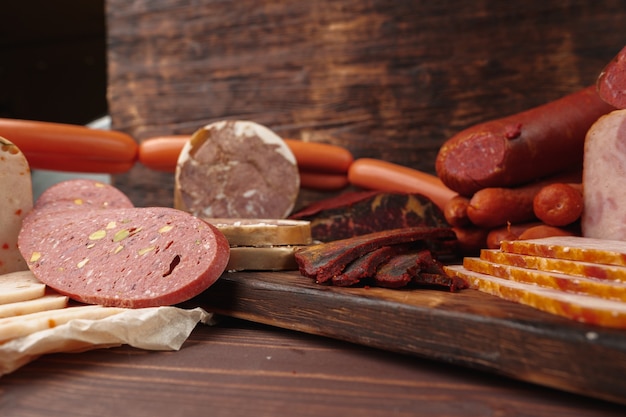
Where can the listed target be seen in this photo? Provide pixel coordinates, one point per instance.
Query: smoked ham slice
(519, 272)
(610, 252)
(578, 268)
(559, 281)
(582, 308)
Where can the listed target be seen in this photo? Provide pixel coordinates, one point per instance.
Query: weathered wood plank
(467, 328)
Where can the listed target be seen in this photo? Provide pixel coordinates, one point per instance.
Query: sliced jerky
(326, 260)
(440, 280)
(366, 265)
(357, 213)
(398, 271)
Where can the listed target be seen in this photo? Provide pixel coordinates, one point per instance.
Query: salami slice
(124, 257)
(236, 169)
(81, 194)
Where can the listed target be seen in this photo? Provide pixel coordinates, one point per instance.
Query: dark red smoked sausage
(518, 149)
(611, 82)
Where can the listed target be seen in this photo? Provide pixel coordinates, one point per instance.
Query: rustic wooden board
(467, 328)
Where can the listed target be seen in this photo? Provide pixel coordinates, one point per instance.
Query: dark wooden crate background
(386, 79)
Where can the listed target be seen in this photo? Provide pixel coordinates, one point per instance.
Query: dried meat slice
(582, 308)
(610, 252)
(558, 281)
(365, 266)
(578, 268)
(357, 213)
(326, 260)
(398, 271)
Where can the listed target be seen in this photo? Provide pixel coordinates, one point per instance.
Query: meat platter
(466, 328)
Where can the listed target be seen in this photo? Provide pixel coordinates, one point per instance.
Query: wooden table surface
(239, 368)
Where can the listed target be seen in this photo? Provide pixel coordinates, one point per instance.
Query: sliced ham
(604, 170)
(556, 280)
(577, 268)
(582, 308)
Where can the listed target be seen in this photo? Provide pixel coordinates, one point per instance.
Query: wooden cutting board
(467, 328)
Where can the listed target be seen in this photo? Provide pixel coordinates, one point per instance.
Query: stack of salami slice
(583, 279)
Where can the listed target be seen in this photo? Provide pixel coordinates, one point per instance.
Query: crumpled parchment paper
(156, 328)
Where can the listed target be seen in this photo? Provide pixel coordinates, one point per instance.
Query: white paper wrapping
(157, 328)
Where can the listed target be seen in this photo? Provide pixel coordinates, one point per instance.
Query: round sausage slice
(124, 257)
(81, 194)
(236, 169)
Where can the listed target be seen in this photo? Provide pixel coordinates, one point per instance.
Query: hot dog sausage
(559, 204)
(611, 82)
(380, 175)
(518, 149)
(66, 147)
(161, 153)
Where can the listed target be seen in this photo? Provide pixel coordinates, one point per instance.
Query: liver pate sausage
(125, 257)
(604, 169)
(518, 149)
(236, 169)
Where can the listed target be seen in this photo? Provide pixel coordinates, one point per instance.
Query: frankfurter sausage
(322, 181)
(375, 174)
(611, 83)
(455, 211)
(496, 206)
(161, 153)
(322, 157)
(559, 204)
(65, 147)
(520, 148)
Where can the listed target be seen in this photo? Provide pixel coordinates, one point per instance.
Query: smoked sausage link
(559, 204)
(518, 149)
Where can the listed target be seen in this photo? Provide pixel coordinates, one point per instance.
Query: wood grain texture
(389, 80)
(243, 369)
(467, 328)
